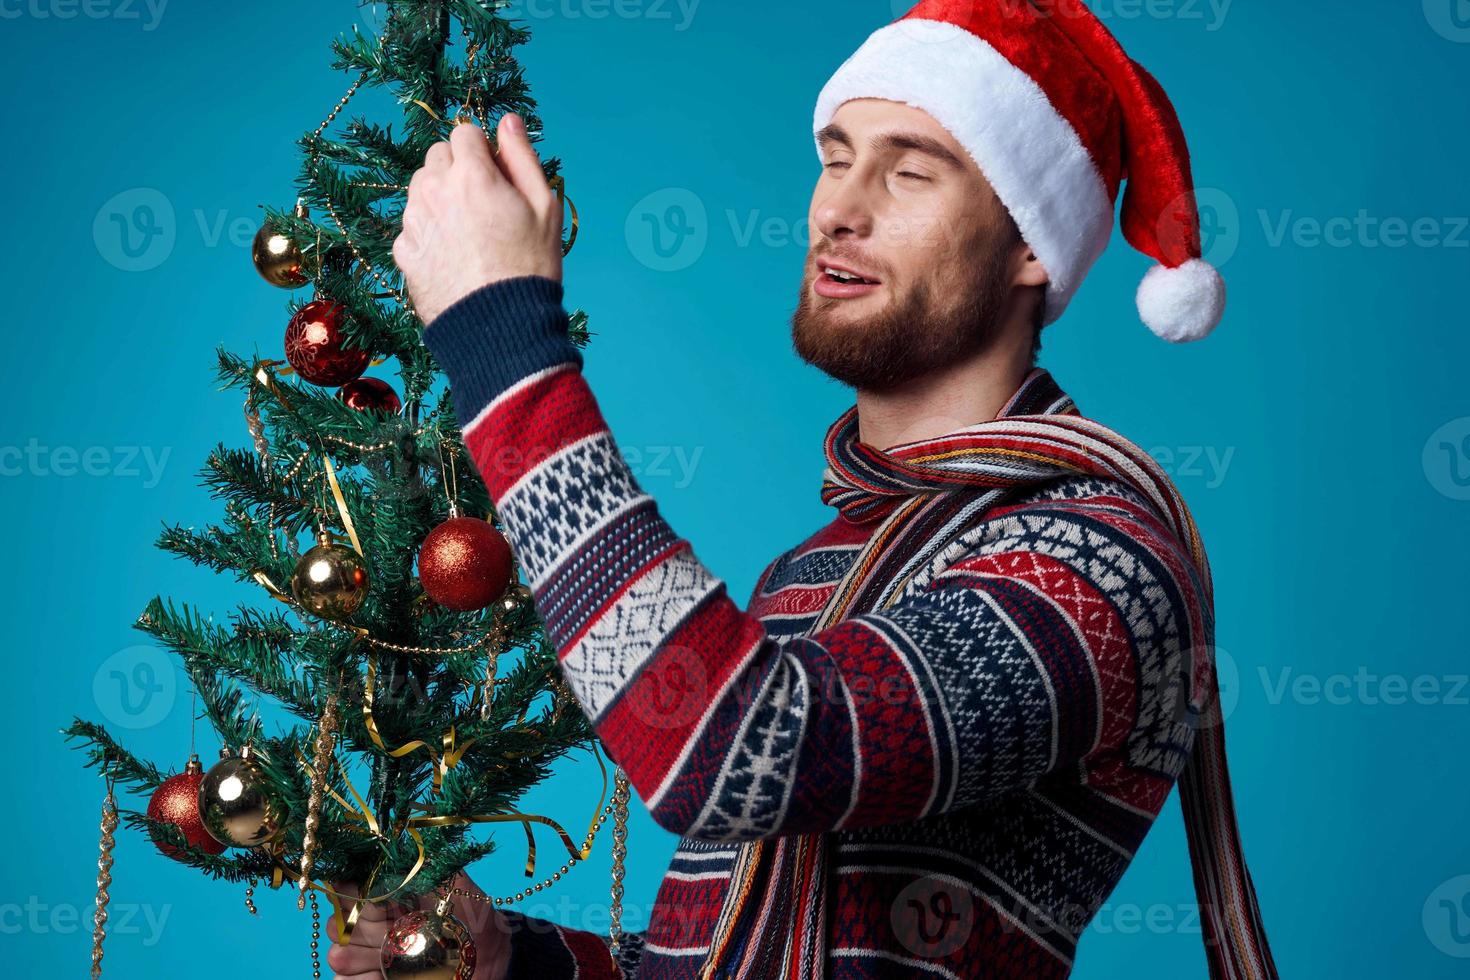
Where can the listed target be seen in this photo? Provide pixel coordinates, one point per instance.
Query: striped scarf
(924, 494)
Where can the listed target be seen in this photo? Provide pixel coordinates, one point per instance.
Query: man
(935, 738)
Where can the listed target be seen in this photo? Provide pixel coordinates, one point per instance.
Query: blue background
(1320, 435)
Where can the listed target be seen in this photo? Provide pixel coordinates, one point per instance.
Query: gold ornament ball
(278, 259)
(331, 580)
(426, 945)
(237, 804)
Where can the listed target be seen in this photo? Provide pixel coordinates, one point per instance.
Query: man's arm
(1048, 645)
(543, 950)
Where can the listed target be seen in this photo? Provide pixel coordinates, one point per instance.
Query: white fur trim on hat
(1030, 154)
(1183, 303)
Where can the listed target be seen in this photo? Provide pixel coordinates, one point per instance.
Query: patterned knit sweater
(988, 753)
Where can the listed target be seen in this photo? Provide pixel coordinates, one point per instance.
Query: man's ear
(1029, 270)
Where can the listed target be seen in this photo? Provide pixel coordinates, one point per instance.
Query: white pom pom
(1183, 303)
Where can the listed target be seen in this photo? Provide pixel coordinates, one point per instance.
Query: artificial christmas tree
(406, 725)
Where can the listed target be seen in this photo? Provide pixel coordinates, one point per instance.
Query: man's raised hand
(475, 217)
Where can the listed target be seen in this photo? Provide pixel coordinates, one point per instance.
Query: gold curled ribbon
(266, 583)
(264, 373)
(444, 760)
(559, 184)
(526, 819)
(342, 512)
(358, 810)
(429, 109)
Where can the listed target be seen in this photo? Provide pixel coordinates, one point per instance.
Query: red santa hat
(1057, 116)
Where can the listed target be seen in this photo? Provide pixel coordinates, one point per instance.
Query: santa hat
(1056, 115)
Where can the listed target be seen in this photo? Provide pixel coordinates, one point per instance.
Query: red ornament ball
(464, 564)
(176, 801)
(370, 395)
(315, 345)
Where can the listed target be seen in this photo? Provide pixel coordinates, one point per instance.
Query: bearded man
(934, 738)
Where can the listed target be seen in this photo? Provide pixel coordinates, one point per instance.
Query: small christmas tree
(385, 600)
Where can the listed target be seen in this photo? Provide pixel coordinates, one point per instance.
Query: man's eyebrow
(833, 133)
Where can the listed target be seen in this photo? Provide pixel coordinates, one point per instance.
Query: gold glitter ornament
(277, 258)
(239, 806)
(427, 945)
(331, 580)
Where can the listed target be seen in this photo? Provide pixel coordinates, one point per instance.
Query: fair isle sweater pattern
(988, 753)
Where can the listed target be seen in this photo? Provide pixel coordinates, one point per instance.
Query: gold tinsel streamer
(444, 760)
(559, 184)
(342, 510)
(347, 909)
(264, 373)
(326, 740)
(104, 877)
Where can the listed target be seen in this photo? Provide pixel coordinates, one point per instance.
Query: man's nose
(846, 211)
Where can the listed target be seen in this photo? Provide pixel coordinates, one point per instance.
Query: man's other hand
(358, 960)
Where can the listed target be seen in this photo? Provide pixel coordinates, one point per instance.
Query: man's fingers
(440, 155)
(354, 961)
(519, 161)
(471, 144)
(368, 934)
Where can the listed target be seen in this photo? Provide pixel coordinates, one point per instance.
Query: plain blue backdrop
(1322, 435)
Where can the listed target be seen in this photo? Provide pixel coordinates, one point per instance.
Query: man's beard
(907, 339)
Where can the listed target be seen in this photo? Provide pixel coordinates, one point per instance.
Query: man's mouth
(838, 281)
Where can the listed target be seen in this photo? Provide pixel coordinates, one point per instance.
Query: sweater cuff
(498, 335)
(541, 950)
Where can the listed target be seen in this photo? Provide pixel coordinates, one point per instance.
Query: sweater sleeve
(1061, 640)
(542, 950)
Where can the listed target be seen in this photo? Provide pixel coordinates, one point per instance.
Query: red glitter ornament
(370, 395)
(176, 801)
(315, 345)
(464, 564)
